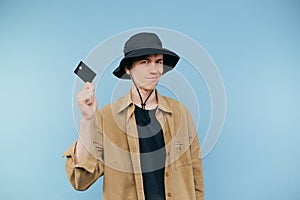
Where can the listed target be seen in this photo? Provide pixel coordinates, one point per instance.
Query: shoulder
(109, 108)
(174, 105)
(178, 113)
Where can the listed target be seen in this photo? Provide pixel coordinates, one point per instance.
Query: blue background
(255, 44)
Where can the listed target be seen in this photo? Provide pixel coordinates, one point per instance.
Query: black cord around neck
(143, 103)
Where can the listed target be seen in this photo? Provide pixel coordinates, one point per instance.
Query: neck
(151, 103)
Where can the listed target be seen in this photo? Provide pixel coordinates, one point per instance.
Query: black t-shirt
(153, 154)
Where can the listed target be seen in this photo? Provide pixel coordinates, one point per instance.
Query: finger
(89, 97)
(95, 103)
(90, 102)
(89, 90)
(89, 85)
(85, 92)
(85, 96)
(85, 99)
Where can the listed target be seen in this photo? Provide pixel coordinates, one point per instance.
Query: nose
(154, 67)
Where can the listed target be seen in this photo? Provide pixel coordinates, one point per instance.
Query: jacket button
(169, 194)
(167, 174)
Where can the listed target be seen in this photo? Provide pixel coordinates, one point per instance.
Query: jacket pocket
(182, 153)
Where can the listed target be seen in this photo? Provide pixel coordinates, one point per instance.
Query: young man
(144, 144)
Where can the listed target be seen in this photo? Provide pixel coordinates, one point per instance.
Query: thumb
(95, 103)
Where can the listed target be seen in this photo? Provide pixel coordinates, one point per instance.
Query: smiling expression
(147, 71)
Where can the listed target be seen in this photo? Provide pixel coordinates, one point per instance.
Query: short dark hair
(130, 61)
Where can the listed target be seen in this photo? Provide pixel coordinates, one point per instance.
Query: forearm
(85, 140)
(196, 160)
(197, 169)
(84, 174)
(82, 166)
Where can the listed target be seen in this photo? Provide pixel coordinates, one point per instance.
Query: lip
(152, 78)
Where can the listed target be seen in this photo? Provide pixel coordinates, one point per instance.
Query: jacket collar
(126, 102)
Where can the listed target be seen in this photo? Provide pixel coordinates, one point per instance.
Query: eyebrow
(148, 58)
(156, 60)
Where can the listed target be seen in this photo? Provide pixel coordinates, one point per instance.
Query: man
(144, 144)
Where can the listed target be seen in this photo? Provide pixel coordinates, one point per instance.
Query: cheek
(138, 72)
(161, 69)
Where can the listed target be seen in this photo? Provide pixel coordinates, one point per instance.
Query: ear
(127, 70)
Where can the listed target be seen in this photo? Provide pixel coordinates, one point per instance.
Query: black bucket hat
(143, 44)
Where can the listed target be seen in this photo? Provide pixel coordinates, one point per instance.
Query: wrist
(85, 120)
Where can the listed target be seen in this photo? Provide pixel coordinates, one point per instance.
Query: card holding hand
(84, 72)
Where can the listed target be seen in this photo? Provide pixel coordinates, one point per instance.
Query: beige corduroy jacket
(115, 153)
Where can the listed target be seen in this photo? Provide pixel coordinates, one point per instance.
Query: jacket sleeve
(196, 160)
(83, 175)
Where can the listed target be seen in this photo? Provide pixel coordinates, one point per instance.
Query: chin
(149, 88)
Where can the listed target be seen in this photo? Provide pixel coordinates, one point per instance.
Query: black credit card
(84, 72)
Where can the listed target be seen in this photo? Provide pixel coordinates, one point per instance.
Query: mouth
(154, 78)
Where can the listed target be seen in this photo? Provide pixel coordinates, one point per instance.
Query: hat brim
(169, 61)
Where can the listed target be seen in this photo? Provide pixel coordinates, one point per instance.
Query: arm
(87, 104)
(83, 166)
(196, 160)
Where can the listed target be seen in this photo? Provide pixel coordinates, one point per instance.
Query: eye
(144, 62)
(159, 62)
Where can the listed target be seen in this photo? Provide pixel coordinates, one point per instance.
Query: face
(147, 72)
